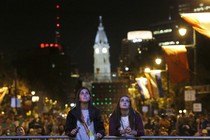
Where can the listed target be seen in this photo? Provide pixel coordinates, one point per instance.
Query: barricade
(107, 137)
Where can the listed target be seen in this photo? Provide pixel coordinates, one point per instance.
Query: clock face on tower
(104, 50)
(97, 50)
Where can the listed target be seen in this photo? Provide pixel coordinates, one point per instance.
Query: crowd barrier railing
(107, 137)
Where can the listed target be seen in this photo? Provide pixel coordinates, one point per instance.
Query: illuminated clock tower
(102, 68)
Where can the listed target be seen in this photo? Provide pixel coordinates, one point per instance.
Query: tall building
(190, 6)
(135, 56)
(102, 67)
(106, 94)
(167, 32)
(105, 90)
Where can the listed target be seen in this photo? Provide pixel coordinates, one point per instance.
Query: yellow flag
(199, 21)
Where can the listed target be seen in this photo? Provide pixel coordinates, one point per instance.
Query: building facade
(102, 67)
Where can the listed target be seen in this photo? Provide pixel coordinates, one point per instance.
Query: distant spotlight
(72, 105)
(114, 75)
(136, 40)
(126, 68)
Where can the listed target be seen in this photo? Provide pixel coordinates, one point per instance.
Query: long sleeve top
(72, 117)
(114, 129)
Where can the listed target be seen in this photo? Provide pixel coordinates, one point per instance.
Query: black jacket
(95, 116)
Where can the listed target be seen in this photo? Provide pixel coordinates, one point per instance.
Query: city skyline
(27, 24)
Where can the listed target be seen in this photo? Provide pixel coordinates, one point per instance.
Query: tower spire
(101, 37)
(100, 21)
(102, 70)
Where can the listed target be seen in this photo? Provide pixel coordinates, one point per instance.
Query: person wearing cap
(84, 121)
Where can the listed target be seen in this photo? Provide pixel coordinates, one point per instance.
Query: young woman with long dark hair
(125, 121)
(84, 121)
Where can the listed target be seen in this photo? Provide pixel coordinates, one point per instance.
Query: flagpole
(167, 78)
(195, 57)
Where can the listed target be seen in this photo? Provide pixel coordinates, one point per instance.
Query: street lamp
(34, 100)
(182, 32)
(33, 93)
(158, 61)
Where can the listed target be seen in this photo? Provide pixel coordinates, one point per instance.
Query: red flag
(176, 59)
(199, 21)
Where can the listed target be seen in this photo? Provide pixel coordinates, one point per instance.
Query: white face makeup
(84, 96)
(124, 103)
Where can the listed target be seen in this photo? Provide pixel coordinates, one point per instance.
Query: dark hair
(131, 117)
(78, 107)
(78, 93)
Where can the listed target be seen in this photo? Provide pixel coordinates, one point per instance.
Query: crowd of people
(85, 121)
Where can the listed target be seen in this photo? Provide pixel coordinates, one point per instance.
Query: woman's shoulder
(112, 116)
(72, 111)
(136, 113)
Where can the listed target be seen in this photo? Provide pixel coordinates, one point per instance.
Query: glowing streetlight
(147, 70)
(72, 105)
(126, 68)
(158, 61)
(182, 31)
(35, 98)
(33, 93)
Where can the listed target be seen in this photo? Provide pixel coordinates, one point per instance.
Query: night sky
(24, 24)
(27, 23)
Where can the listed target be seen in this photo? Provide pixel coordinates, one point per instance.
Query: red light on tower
(57, 33)
(57, 6)
(46, 45)
(56, 45)
(51, 45)
(42, 45)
